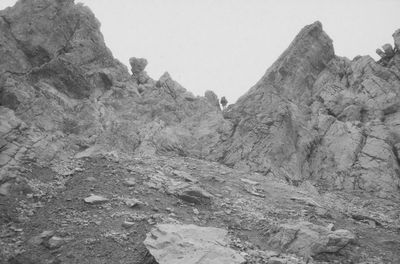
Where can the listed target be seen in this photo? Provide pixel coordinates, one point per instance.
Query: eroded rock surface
(187, 244)
(316, 116)
(307, 239)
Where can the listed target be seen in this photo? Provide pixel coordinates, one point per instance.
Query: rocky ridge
(313, 120)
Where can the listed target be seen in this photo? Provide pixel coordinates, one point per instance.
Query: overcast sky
(227, 45)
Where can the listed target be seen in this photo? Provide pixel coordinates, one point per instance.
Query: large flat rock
(190, 244)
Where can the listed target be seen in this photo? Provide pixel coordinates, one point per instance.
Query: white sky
(227, 45)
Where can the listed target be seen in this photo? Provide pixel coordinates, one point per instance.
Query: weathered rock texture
(187, 244)
(62, 92)
(313, 116)
(307, 239)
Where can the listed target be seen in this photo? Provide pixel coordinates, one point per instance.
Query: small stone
(195, 211)
(134, 202)
(4, 189)
(130, 182)
(330, 227)
(95, 199)
(47, 234)
(36, 240)
(54, 242)
(91, 179)
(275, 260)
(127, 224)
(195, 195)
(249, 181)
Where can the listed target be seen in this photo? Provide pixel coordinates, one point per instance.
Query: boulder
(54, 242)
(137, 64)
(95, 199)
(388, 49)
(194, 194)
(190, 244)
(137, 68)
(130, 182)
(307, 239)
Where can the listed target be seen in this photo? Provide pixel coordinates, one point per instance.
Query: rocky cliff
(63, 92)
(319, 117)
(313, 116)
(313, 145)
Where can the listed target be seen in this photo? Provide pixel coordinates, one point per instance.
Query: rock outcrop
(307, 239)
(187, 244)
(269, 119)
(62, 83)
(137, 68)
(313, 116)
(313, 119)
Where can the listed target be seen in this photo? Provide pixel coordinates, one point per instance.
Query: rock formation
(312, 116)
(185, 244)
(314, 120)
(308, 239)
(315, 116)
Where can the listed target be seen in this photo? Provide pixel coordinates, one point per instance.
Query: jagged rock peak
(46, 38)
(295, 71)
(311, 38)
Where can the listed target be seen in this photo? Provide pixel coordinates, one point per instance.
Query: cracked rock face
(312, 116)
(61, 81)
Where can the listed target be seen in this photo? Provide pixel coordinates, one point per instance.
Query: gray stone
(190, 244)
(130, 182)
(134, 202)
(4, 189)
(137, 64)
(249, 181)
(95, 199)
(127, 224)
(307, 239)
(54, 242)
(388, 49)
(195, 195)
